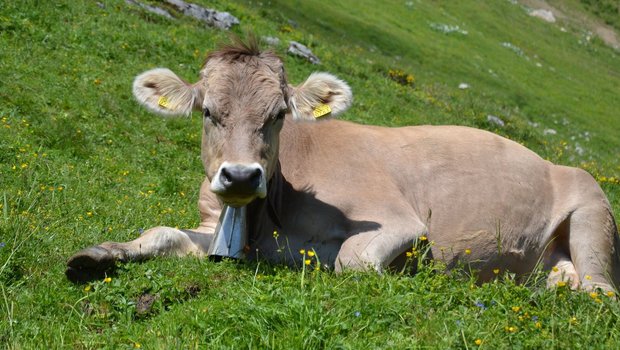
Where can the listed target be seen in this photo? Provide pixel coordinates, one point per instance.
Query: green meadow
(82, 163)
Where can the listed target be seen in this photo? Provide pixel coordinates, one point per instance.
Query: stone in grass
(549, 132)
(464, 86)
(151, 9)
(271, 40)
(300, 50)
(543, 14)
(495, 120)
(213, 18)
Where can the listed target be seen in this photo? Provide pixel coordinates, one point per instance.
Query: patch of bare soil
(145, 303)
(577, 19)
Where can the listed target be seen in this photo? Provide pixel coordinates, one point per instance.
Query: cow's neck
(264, 214)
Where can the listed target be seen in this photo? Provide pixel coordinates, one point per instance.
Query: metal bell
(231, 235)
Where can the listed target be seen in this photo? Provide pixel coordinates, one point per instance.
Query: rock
(213, 18)
(464, 86)
(300, 50)
(549, 132)
(495, 120)
(513, 47)
(271, 41)
(152, 9)
(447, 28)
(580, 151)
(543, 14)
(293, 23)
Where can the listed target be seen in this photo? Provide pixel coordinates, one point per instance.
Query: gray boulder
(300, 50)
(213, 18)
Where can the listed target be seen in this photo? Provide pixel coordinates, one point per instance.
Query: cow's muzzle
(238, 184)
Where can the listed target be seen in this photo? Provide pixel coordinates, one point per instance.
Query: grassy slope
(81, 163)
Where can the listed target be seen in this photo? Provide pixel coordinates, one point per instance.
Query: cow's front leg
(93, 262)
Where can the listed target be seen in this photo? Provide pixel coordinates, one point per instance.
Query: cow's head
(244, 98)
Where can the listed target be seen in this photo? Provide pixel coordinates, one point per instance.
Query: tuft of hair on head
(237, 47)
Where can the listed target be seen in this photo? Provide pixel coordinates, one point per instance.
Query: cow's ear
(163, 92)
(321, 95)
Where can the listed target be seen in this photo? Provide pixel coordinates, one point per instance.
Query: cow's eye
(281, 115)
(206, 113)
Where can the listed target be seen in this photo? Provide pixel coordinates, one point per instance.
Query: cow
(362, 197)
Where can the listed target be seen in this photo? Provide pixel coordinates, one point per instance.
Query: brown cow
(362, 196)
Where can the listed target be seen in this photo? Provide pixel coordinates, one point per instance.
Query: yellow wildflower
(87, 288)
(90, 213)
(588, 277)
(561, 284)
(137, 345)
(478, 341)
(573, 320)
(310, 253)
(307, 261)
(409, 254)
(555, 269)
(510, 329)
(593, 295)
(516, 308)
(610, 294)
(538, 325)
(302, 251)
(467, 251)
(496, 271)
(423, 238)
(107, 279)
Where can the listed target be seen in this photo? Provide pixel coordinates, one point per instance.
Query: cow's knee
(372, 250)
(354, 262)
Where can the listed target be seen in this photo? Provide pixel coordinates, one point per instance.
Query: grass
(81, 163)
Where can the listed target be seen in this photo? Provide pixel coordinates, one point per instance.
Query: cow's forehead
(254, 82)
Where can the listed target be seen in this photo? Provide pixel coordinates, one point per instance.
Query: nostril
(225, 177)
(256, 175)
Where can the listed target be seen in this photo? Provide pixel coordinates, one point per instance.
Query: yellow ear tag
(163, 102)
(321, 110)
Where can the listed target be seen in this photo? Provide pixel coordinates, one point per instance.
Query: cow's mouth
(235, 201)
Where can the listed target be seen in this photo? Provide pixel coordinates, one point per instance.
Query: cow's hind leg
(594, 244)
(93, 262)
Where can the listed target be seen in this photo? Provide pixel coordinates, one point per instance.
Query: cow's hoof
(89, 264)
